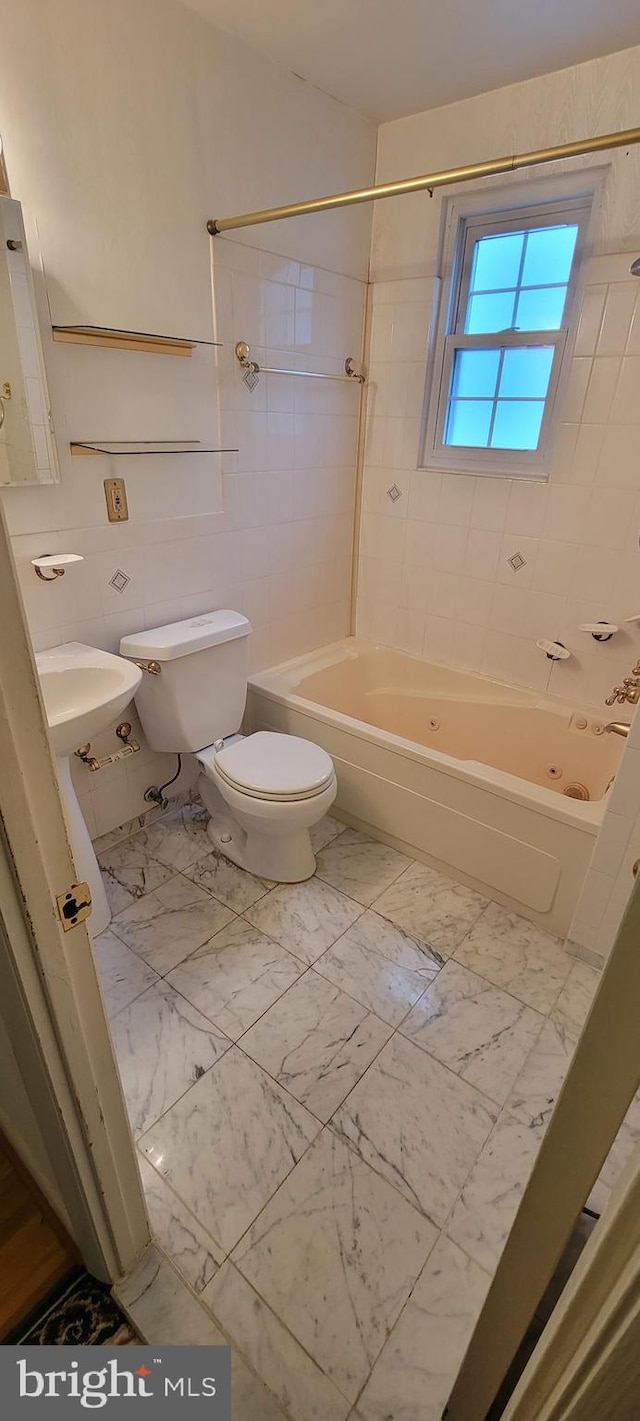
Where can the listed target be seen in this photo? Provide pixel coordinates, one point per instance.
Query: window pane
(468, 423)
(517, 424)
(540, 310)
(496, 263)
(490, 313)
(475, 373)
(549, 255)
(526, 372)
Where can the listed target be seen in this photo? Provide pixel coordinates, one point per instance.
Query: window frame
(492, 214)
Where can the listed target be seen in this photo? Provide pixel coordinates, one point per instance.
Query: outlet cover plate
(116, 496)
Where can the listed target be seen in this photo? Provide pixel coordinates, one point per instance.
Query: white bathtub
(464, 773)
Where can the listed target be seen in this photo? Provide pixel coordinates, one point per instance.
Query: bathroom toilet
(265, 791)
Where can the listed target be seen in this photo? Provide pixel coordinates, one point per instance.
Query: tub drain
(576, 791)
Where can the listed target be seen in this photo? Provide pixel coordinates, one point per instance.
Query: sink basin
(84, 690)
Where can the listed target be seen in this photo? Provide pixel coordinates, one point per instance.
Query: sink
(84, 690)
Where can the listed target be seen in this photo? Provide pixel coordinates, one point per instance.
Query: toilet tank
(198, 696)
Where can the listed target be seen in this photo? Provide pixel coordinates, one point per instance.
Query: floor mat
(79, 1312)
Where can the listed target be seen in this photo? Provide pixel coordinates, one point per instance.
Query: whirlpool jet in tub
(501, 786)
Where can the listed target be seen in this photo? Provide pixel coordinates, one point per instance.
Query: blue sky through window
(497, 397)
(519, 280)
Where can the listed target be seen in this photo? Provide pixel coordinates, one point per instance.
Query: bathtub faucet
(618, 727)
(628, 691)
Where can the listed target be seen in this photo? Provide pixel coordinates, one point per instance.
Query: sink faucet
(615, 727)
(628, 691)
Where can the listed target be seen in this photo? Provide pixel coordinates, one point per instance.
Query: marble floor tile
(381, 966)
(317, 1042)
(414, 1374)
(178, 839)
(162, 1045)
(417, 1124)
(360, 867)
(165, 1311)
(189, 1247)
(305, 917)
(279, 1360)
(128, 873)
(515, 954)
(228, 1143)
(322, 834)
(480, 1032)
(236, 976)
(335, 1254)
(163, 1308)
(537, 1087)
(123, 977)
(231, 885)
(167, 925)
(123, 831)
(433, 908)
(489, 1200)
(573, 1004)
(250, 1398)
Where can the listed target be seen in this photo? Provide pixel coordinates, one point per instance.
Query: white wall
(125, 127)
(434, 577)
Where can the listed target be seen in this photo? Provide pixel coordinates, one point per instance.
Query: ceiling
(387, 58)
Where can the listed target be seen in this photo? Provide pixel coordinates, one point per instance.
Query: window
(504, 329)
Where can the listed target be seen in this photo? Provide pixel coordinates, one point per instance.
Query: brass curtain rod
(625, 138)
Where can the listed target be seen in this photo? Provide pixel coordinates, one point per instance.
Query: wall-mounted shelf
(120, 447)
(113, 339)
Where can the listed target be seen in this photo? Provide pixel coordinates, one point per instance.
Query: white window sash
(449, 336)
(475, 228)
(502, 340)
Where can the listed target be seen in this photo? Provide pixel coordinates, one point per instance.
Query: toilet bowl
(264, 792)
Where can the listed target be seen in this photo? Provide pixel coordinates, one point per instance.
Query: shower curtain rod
(625, 138)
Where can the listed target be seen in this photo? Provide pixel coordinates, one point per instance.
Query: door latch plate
(75, 906)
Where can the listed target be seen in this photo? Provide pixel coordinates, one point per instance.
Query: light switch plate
(116, 496)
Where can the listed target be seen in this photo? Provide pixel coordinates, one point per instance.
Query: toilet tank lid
(181, 638)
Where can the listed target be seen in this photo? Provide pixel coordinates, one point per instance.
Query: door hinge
(75, 906)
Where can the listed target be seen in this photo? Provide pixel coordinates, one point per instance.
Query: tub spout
(618, 727)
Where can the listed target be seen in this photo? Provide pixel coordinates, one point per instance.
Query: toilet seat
(268, 766)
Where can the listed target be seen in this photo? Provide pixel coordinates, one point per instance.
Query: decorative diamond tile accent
(394, 493)
(516, 561)
(251, 379)
(119, 581)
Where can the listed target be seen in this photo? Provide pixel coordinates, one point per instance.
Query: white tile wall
(267, 530)
(115, 205)
(435, 576)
